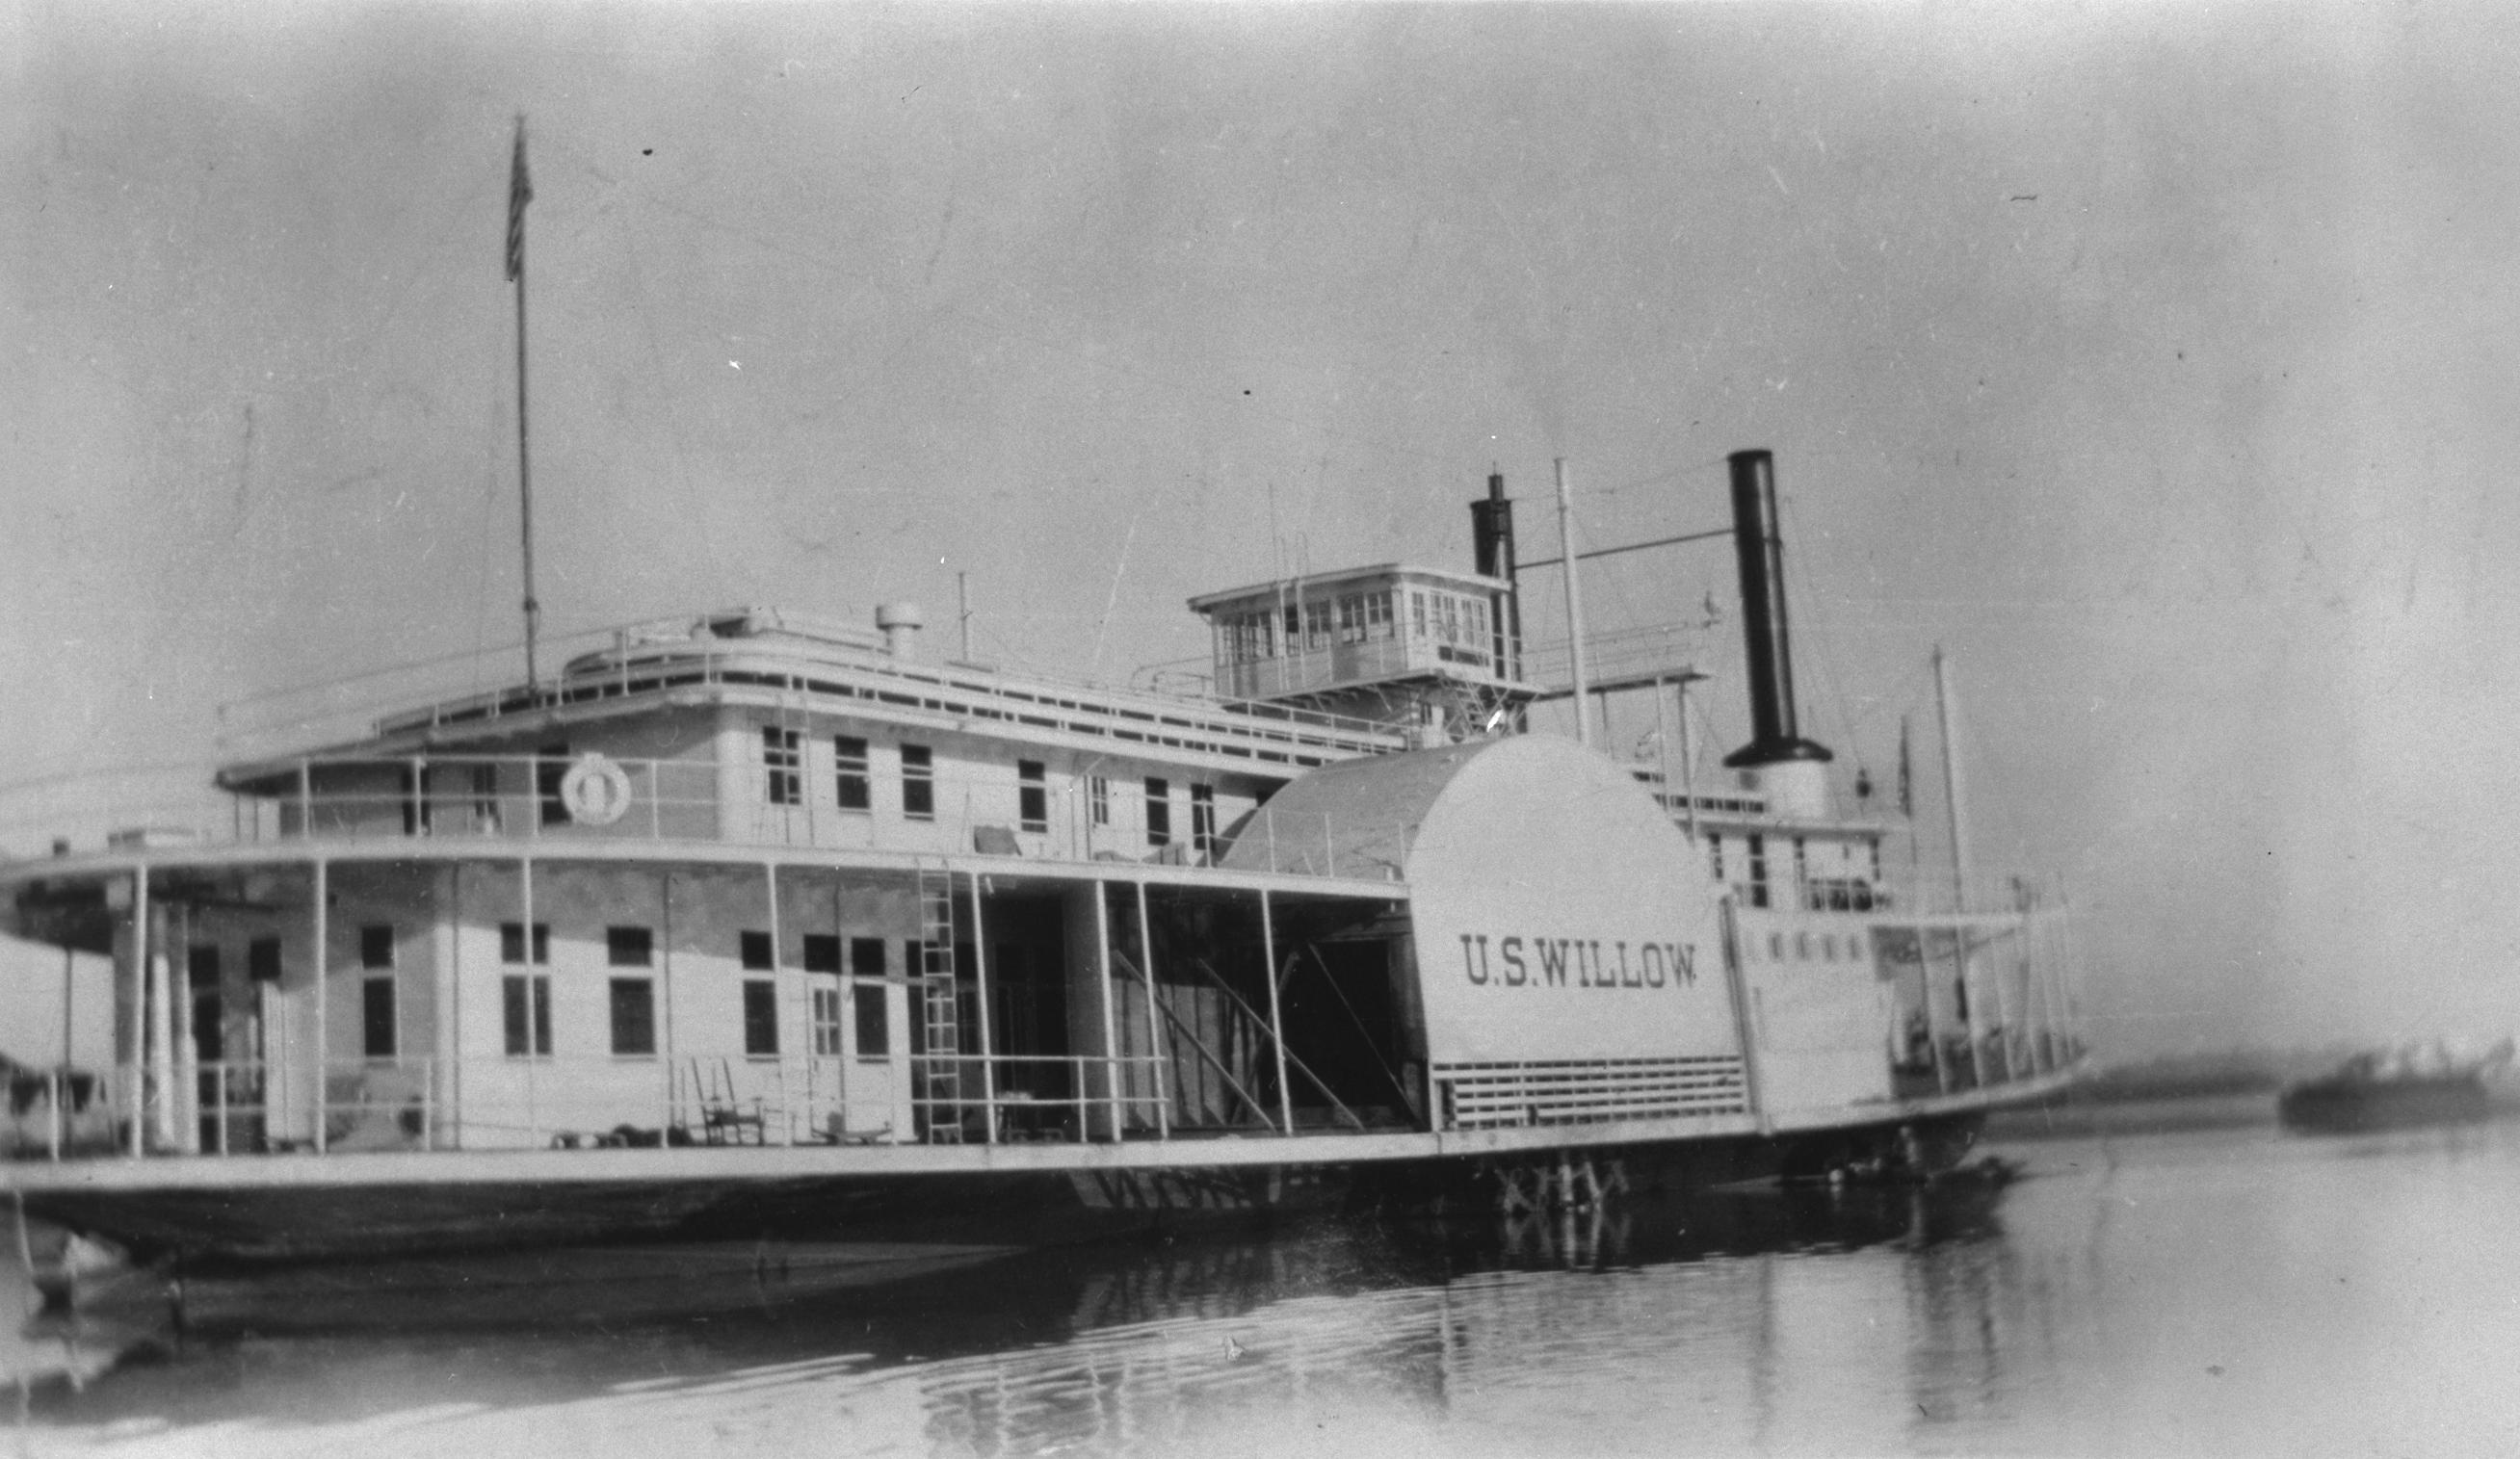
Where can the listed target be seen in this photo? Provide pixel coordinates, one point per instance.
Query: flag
(1906, 785)
(520, 190)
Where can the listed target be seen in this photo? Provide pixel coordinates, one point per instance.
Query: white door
(290, 1081)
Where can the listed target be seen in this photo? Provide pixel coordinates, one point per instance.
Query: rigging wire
(1824, 664)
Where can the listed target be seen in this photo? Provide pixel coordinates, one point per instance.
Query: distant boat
(2391, 1091)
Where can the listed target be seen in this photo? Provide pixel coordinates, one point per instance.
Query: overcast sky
(2155, 360)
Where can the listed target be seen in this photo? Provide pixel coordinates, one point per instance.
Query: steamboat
(755, 922)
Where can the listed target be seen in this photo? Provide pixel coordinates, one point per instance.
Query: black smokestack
(1492, 551)
(1761, 548)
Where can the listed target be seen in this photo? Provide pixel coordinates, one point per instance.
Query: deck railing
(240, 1108)
(650, 658)
(533, 799)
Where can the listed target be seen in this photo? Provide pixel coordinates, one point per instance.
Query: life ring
(596, 790)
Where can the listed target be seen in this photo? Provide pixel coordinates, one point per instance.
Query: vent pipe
(1775, 737)
(900, 623)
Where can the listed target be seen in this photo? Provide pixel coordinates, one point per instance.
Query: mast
(520, 190)
(1574, 603)
(1952, 785)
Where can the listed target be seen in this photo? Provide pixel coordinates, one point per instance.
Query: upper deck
(752, 727)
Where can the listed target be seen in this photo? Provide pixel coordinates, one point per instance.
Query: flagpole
(520, 190)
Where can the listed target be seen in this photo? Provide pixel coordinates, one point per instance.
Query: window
(414, 801)
(1758, 871)
(485, 797)
(1416, 613)
(1032, 795)
(376, 1017)
(781, 756)
(1159, 812)
(1801, 862)
(629, 947)
(511, 943)
(822, 952)
(634, 1016)
(526, 1000)
(760, 1016)
(262, 960)
(551, 765)
(1202, 818)
(753, 948)
(874, 1034)
(849, 765)
(1098, 795)
(209, 1031)
(202, 964)
(377, 945)
(918, 783)
(1377, 616)
(1715, 848)
(866, 956)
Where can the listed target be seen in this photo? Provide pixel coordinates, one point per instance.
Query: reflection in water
(1463, 1329)
(2195, 1291)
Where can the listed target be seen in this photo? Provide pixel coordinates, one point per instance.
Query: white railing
(653, 659)
(516, 798)
(1030, 1097)
(240, 1108)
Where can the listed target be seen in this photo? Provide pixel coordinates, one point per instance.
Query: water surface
(2160, 1285)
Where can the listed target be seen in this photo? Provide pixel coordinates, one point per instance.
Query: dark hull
(2346, 1105)
(901, 1217)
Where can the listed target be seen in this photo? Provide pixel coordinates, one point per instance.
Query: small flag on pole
(520, 190)
(1907, 791)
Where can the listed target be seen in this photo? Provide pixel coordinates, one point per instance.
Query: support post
(1154, 1022)
(452, 1104)
(788, 1116)
(988, 1048)
(161, 1036)
(665, 997)
(533, 1002)
(323, 1041)
(1110, 1021)
(1276, 1019)
(184, 1089)
(134, 1065)
(69, 1048)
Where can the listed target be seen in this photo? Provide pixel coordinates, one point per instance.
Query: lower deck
(344, 1018)
(1022, 1194)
